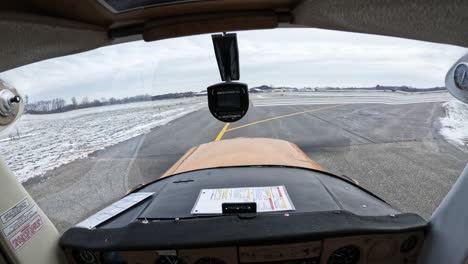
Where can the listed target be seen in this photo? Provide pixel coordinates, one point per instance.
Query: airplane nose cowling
(243, 152)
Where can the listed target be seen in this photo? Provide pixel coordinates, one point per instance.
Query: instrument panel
(364, 249)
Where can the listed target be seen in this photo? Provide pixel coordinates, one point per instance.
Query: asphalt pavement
(393, 150)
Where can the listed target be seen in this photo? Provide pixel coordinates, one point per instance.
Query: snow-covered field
(39, 143)
(455, 123)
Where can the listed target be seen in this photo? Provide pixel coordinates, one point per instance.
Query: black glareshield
(228, 101)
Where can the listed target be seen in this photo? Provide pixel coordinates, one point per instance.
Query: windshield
(372, 108)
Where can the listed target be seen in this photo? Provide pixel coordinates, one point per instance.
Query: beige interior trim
(27, 39)
(38, 246)
(208, 23)
(430, 20)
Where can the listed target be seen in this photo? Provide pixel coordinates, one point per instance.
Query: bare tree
(57, 104)
(96, 102)
(85, 100)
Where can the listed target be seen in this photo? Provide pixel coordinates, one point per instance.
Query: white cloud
(295, 57)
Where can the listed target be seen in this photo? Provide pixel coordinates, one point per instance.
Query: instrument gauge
(84, 257)
(345, 255)
(461, 76)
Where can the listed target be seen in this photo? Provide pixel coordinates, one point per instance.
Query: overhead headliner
(34, 30)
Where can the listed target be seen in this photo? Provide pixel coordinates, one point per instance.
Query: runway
(391, 148)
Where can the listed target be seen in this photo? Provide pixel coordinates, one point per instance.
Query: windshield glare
(372, 108)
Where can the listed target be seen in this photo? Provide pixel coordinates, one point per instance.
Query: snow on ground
(455, 123)
(347, 97)
(39, 143)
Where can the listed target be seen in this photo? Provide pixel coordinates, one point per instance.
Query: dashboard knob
(409, 244)
(84, 257)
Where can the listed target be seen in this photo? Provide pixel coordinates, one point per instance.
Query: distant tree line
(174, 95)
(266, 88)
(391, 88)
(408, 89)
(59, 105)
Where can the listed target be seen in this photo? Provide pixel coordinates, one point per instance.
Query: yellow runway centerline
(274, 118)
(221, 133)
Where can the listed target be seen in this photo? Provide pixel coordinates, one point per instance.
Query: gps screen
(228, 100)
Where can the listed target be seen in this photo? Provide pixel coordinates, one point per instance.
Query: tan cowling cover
(242, 152)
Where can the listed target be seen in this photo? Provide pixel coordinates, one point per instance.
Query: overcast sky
(281, 57)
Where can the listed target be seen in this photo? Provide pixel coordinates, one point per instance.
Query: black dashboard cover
(326, 206)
